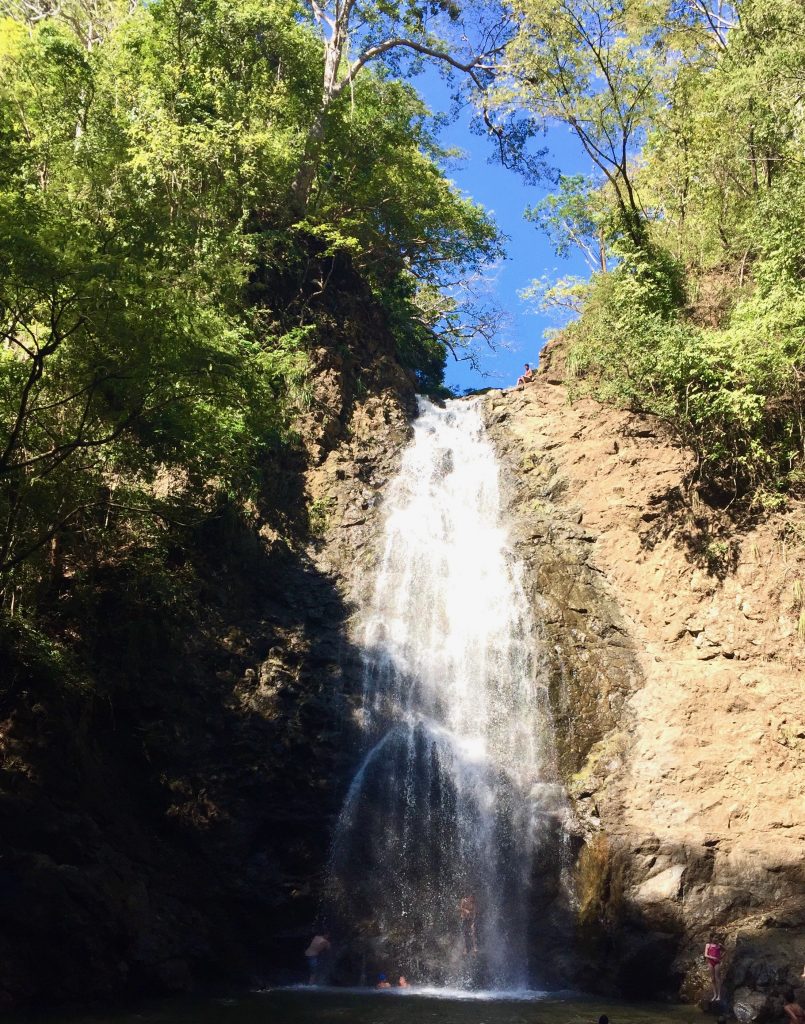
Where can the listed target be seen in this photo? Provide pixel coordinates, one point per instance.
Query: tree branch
(468, 67)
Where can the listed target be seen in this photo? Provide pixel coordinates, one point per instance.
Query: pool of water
(413, 1006)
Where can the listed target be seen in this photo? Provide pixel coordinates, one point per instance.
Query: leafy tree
(698, 314)
(144, 174)
(89, 20)
(439, 30)
(114, 358)
(576, 216)
(595, 67)
(409, 231)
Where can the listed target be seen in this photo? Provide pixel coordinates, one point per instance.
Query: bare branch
(478, 63)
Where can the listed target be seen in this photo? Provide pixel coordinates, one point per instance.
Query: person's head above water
(603, 1019)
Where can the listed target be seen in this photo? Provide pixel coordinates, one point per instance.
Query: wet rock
(748, 1005)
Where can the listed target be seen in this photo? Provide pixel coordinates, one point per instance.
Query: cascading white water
(453, 797)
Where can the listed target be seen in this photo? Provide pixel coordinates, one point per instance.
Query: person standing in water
(315, 954)
(469, 912)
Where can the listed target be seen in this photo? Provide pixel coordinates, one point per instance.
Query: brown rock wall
(676, 673)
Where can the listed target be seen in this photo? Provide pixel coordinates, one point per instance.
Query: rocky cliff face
(168, 785)
(675, 652)
(167, 794)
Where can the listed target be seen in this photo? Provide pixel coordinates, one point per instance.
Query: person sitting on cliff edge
(525, 378)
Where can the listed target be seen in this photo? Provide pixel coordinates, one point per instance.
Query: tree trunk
(306, 175)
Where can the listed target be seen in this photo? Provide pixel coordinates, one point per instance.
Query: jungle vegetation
(157, 159)
(692, 114)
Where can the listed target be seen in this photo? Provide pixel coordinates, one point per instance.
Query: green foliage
(594, 67)
(124, 353)
(382, 198)
(155, 322)
(577, 216)
(732, 395)
(698, 316)
(418, 347)
(318, 514)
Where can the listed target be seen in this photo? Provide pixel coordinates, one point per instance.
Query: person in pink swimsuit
(714, 954)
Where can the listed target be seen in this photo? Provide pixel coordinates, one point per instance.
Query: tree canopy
(691, 115)
(156, 160)
(147, 155)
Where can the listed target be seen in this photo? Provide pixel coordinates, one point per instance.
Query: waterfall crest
(458, 791)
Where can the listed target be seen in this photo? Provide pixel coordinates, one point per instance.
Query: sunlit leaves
(691, 114)
(154, 314)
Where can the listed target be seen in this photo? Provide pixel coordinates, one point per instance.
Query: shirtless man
(468, 911)
(314, 954)
(527, 375)
(792, 1009)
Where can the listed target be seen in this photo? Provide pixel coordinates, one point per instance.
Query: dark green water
(329, 1006)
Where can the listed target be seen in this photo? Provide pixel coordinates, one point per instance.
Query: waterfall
(457, 794)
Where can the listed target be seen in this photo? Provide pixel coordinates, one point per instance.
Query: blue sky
(529, 254)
